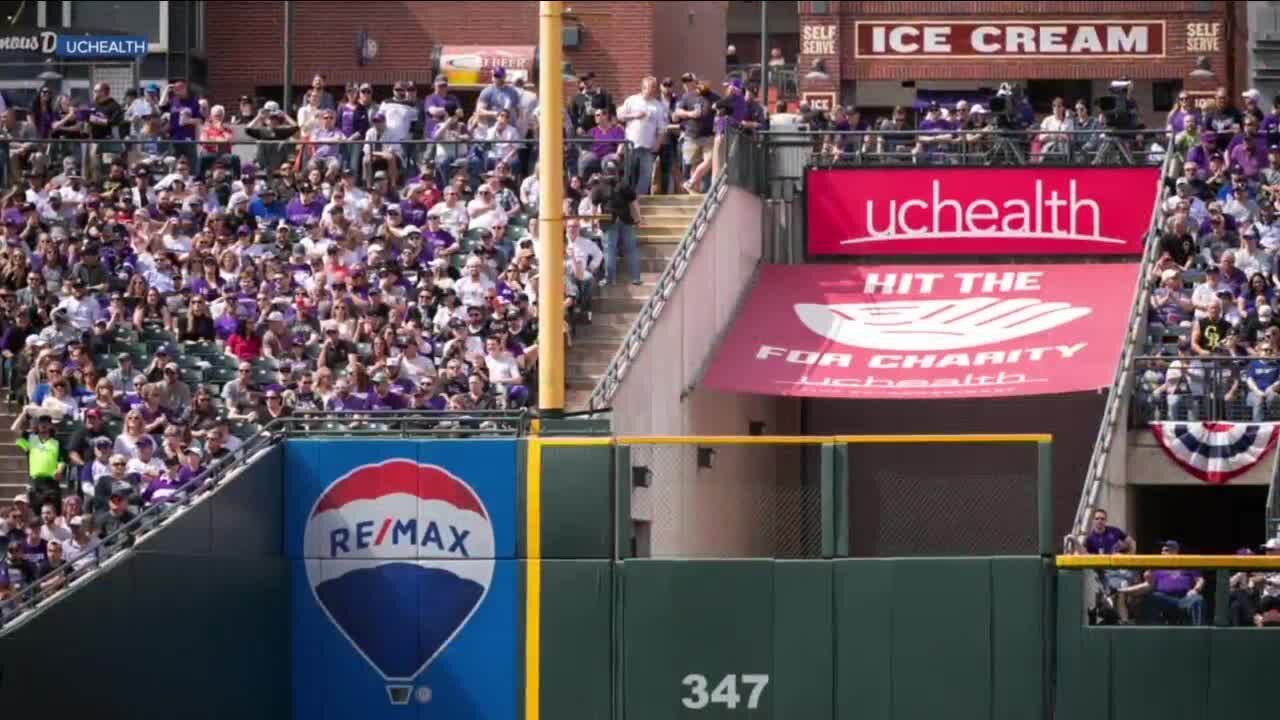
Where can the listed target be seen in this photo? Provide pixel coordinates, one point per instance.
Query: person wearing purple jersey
(307, 204)
(343, 400)
(1104, 539)
(382, 398)
(1172, 594)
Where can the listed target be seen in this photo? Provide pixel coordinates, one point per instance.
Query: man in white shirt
(413, 365)
(82, 310)
(645, 118)
(473, 287)
(585, 259)
(1052, 139)
(505, 146)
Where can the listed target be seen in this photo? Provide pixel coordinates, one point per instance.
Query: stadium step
(665, 219)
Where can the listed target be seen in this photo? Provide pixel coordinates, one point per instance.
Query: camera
(1117, 109)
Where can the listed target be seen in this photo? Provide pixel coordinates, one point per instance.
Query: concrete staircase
(664, 221)
(13, 462)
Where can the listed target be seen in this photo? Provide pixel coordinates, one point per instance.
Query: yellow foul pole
(551, 330)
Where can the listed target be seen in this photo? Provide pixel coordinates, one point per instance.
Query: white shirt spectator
(1268, 235)
(504, 138)
(489, 218)
(400, 118)
(528, 111)
(644, 131)
(1244, 211)
(56, 532)
(82, 313)
(473, 291)
(529, 192)
(417, 367)
(137, 113)
(137, 467)
(502, 367)
(453, 220)
(584, 251)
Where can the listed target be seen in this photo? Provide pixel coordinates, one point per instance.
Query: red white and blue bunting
(1215, 452)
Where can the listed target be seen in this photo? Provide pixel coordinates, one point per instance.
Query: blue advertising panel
(404, 580)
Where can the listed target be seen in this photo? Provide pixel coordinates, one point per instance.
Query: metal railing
(1135, 338)
(982, 147)
(665, 287)
(160, 155)
(27, 602)
(1193, 388)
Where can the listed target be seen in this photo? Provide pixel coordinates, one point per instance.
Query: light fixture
(1202, 71)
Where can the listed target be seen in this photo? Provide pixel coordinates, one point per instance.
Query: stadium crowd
(1214, 330)
(165, 292)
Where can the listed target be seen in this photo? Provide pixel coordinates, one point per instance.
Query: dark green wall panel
(864, 638)
(1244, 659)
(1017, 638)
(1159, 673)
(577, 502)
(577, 639)
(941, 639)
(682, 618)
(802, 681)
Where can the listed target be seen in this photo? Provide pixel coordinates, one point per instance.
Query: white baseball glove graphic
(928, 325)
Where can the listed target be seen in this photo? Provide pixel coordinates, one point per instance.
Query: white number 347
(725, 692)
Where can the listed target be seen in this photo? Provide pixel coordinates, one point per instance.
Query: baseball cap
(20, 498)
(1264, 309)
(688, 77)
(171, 366)
(1167, 274)
(76, 521)
(93, 413)
(271, 106)
(735, 83)
(103, 441)
(193, 450)
(1170, 545)
(500, 72)
(1272, 544)
(275, 316)
(441, 80)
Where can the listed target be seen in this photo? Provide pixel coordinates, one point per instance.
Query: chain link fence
(726, 500)
(942, 500)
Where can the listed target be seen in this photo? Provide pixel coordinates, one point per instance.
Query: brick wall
(245, 40)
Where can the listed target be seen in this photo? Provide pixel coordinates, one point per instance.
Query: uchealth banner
(980, 211)
(913, 331)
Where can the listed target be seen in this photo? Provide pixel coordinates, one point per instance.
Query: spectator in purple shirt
(382, 398)
(1171, 593)
(328, 152)
(183, 108)
(192, 467)
(306, 204)
(354, 121)
(607, 137)
(441, 98)
(1202, 153)
(1104, 539)
(343, 400)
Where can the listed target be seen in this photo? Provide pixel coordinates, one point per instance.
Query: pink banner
(979, 211)
(911, 331)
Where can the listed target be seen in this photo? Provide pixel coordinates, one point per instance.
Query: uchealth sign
(1006, 39)
(978, 211)
(927, 332)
